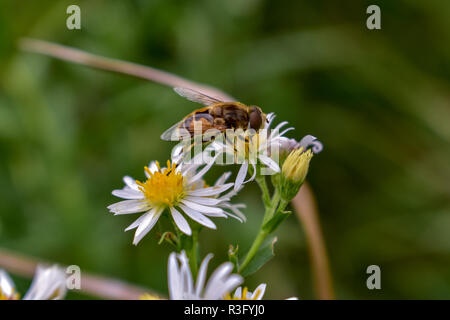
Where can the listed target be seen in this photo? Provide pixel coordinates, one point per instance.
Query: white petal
(237, 214)
(238, 293)
(130, 182)
(221, 272)
(221, 282)
(6, 284)
(186, 276)
(236, 211)
(231, 282)
(241, 175)
(269, 118)
(210, 191)
(253, 175)
(223, 178)
(177, 152)
(129, 206)
(262, 289)
(147, 224)
(180, 221)
(136, 223)
(173, 275)
(278, 127)
(205, 169)
(201, 208)
(235, 217)
(282, 133)
(196, 216)
(229, 195)
(201, 277)
(204, 200)
(128, 193)
(311, 141)
(48, 283)
(269, 162)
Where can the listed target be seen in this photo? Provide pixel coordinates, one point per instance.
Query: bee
(217, 114)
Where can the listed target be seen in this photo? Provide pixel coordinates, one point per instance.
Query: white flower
(244, 294)
(7, 288)
(177, 188)
(49, 283)
(257, 148)
(181, 283)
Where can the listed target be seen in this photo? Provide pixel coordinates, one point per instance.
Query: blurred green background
(378, 100)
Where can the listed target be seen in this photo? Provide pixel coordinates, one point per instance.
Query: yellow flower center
(164, 187)
(243, 295)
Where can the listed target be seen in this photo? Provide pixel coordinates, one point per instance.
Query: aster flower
(181, 283)
(178, 188)
(244, 294)
(257, 148)
(49, 283)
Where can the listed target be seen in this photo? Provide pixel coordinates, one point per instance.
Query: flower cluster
(180, 191)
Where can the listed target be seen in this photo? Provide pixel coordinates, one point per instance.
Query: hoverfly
(217, 114)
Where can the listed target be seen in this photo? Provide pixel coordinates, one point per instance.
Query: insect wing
(175, 133)
(196, 96)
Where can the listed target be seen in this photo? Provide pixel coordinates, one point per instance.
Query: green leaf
(264, 254)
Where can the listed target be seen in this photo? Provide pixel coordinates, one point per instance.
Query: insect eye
(255, 120)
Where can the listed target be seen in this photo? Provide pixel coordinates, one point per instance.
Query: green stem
(261, 180)
(271, 206)
(253, 249)
(278, 217)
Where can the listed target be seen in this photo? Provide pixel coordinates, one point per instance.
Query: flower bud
(293, 172)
